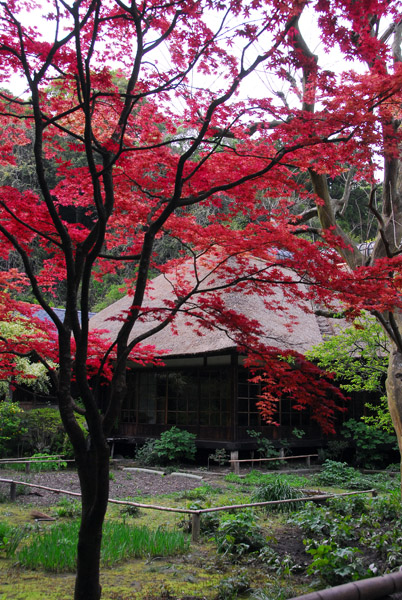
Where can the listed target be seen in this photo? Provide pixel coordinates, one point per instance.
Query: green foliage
(44, 431)
(335, 473)
(338, 532)
(358, 356)
(348, 505)
(265, 447)
(31, 374)
(47, 463)
(146, 454)
(340, 475)
(67, 508)
(278, 563)
(199, 493)
(279, 489)
(11, 426)
(55, 549)
(334, 451)
(275, 590)
(130, 511)
(372, 444)
(257, 478)
(333, 565)
(175, 445)
(209, 522)
(105, 294)
(10, 538)
(230, 587)
(379, 415)
(233, 478)
(238, 534)
(220, 456)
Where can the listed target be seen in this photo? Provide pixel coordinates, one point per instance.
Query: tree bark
(93, 472)
(394, 393)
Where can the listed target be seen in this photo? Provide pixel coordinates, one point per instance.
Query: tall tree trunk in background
(389, 238)
(394, 391)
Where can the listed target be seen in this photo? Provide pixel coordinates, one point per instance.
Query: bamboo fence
(195, 513)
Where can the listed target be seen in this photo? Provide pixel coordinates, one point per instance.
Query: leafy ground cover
(251, 553)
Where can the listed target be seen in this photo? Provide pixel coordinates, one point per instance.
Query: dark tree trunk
(93, 471)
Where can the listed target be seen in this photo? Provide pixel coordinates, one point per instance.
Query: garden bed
(259, 553)
(122, 484)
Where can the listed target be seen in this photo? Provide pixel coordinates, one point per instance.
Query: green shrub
(146, 454)
(45, 433)
(335, 473)
(220, 456)
(199, 493)
(11, 426)
(340, 475)
(47, 463)
(238, 534)
(372, 445)
(279, 489)
(66, 507)
(333, 565)
(348, 505)
(130, 511)
(175, 445)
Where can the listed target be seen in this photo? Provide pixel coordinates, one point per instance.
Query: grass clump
(10, 538)
(278, 489)
(67, 508)
(54, 550)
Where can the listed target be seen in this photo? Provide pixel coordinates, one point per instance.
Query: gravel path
(123, 484)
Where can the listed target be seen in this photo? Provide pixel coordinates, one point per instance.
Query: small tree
(358, 356)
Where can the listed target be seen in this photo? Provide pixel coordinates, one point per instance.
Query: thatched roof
(188, 339)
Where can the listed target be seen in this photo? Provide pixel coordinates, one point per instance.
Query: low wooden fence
(236, 462)
(33, 460)
(195, 513)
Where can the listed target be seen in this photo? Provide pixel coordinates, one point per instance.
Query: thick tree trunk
(394, 394)
(93, 471)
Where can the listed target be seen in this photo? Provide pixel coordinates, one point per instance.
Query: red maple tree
(147, 111)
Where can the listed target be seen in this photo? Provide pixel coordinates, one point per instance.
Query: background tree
(358, 356)
(371, 33)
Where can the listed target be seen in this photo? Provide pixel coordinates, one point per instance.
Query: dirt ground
(123, 484)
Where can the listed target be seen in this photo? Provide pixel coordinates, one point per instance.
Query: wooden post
(195, 527)
(13, 491)
(27, 467)
(308, 461)
(234, 457)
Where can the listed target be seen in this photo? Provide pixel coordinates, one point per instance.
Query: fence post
(308, 461)
(234, 458)
(13, 491)
(195, 527)
(27, 467)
